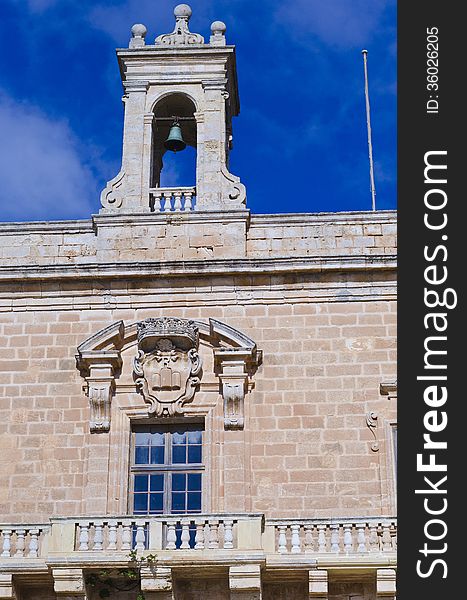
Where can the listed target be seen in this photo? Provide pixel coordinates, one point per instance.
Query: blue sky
(300, 142)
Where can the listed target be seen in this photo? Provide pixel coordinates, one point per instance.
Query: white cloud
(41, 172)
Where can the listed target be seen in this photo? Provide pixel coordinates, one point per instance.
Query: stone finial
(218, 33)
(138, 33)
(181, 35)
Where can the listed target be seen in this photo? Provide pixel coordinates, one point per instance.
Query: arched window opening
(169, 168)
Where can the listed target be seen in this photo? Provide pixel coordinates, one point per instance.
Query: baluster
(386, 537)
(296, 549)
(98, 536)
(112, 543)
(171, 536)
(168, 203)
(178, 201)
(361, 538)
(199, 537)
(213, 534)
(140, 537)
(158, 202)
(7, 542)
(228, 534)
(33, 543)
(309, 543)
(126, 536)
(374, 542)
(20, 534)
(282, 542)
(321, 538)
(394, 536)
(348, 543)
(335, 537)
(189, 201)
(83, 537)
(185, 537)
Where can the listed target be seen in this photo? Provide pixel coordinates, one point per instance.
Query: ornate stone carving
(99, 369)
(99, 362)
(233, 366)
(218, 33)
(167, 367)
(371, 420)
(112, 194)
(235, 188)
(138, 33)
(233, 392)
(181, 35)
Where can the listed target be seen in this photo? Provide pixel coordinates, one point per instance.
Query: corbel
(231, 365)
(388, 389)
(99, 369)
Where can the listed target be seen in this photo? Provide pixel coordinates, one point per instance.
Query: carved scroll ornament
(167, 367)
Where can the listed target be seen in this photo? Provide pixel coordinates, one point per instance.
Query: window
(166, 469)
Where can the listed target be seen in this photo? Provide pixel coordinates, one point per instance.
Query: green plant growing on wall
(107, 581)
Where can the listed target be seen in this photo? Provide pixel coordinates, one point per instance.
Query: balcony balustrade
(335, 536)
(114, 538)
(175, 199)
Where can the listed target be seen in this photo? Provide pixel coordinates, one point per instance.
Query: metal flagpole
(368, 125)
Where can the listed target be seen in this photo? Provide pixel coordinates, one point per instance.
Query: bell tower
(180, 91)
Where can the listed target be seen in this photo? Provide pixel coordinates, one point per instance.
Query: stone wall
(325, 323)
(196, 236)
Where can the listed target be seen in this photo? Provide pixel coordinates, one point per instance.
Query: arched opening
(174, 169)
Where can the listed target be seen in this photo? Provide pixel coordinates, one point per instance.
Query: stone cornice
(357, 217)
(283, 219)
(250, 266)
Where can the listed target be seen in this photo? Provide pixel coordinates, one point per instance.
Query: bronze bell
(175, 141)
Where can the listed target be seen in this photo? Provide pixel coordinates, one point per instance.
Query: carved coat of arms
(167, 367)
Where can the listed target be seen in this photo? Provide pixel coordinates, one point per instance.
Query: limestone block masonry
(175, 310)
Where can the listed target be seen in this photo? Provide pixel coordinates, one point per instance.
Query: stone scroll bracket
(371, 422)
(99, 363)
(99, 370)
(234, 367)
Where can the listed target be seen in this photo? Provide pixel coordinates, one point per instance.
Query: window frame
(168, 468)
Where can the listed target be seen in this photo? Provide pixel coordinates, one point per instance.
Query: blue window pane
(141, 455)
(194, 437)
(142, 438)
(194, 482)
(179, 455)
(157, 455)
(194, 454)
(157, 438)
(157, 483)
(179, 437)
(141, 483)
(178, 482)
(178, 502)
(141, 503)
(156, 503)
(194, 501)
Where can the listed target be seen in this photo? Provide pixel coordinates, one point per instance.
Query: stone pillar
(7, 590)
(386, 584)
(69, 584)
(156, 583)
(245, 582)
(318, 585)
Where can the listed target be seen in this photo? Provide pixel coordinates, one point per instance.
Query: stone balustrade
(218, 532)
(335, 536)
(172, 199)
(21, 541)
